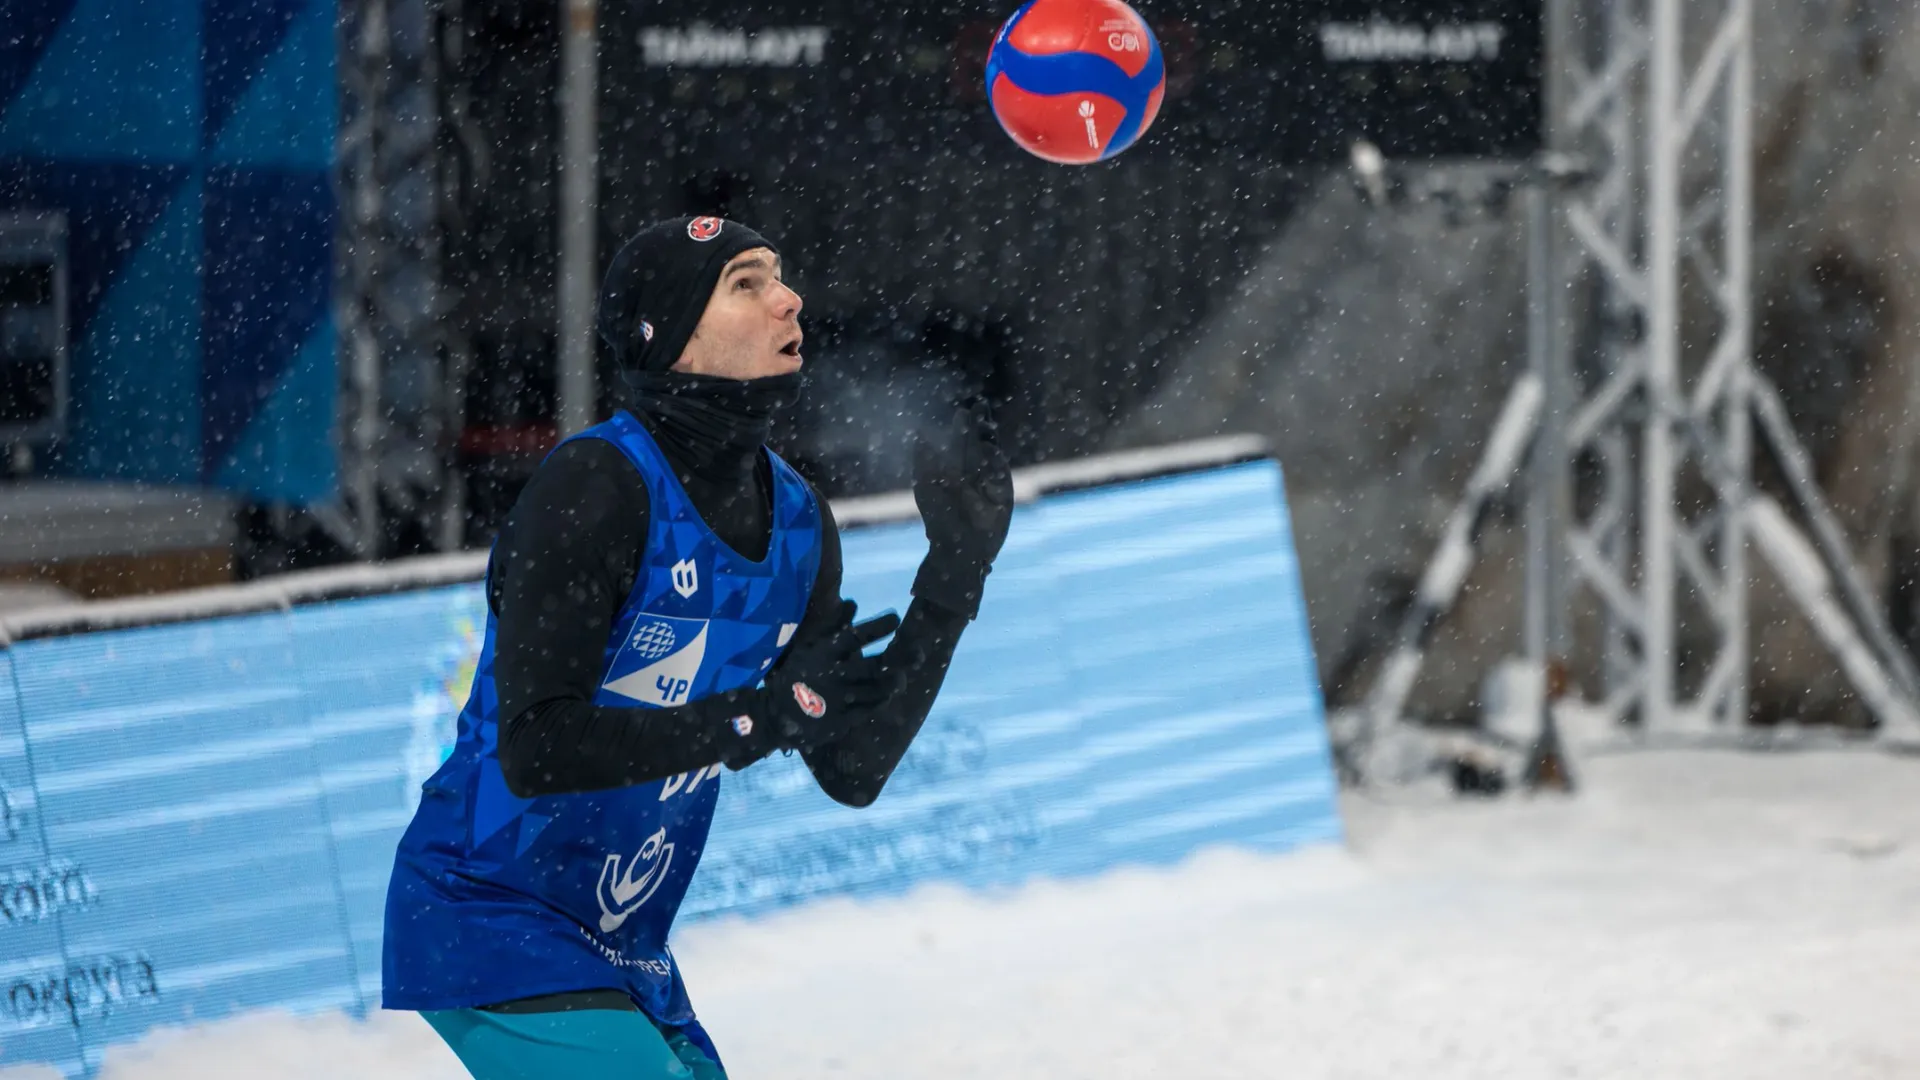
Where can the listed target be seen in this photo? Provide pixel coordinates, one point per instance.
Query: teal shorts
(584, 1044)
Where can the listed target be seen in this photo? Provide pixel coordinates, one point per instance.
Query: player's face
(751, 328)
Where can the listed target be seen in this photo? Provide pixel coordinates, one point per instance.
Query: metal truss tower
(1659, 96)
(1671, 130)
(1640, 489)
(405, 162)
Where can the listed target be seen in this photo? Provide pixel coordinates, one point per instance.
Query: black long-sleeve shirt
(566, 558)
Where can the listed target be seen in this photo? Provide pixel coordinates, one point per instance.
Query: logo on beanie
(703, 228)
(646, 330)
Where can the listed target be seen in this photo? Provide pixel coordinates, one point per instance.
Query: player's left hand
(964, 490)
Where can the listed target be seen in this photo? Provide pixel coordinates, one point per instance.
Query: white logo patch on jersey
(686, 578)
(629, 890)
(669, 652)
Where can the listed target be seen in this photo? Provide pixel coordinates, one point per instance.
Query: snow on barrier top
(428, 571)
(200, 795)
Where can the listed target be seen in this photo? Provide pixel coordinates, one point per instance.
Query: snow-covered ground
(1686, 915)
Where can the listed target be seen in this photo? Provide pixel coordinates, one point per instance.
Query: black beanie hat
(658, 286)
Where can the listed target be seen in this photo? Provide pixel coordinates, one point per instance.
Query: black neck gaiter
(706, 425)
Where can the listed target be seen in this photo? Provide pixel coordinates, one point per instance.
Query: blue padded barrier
(199, 818)
(385, 677)
(174, 767)
(35, 1024)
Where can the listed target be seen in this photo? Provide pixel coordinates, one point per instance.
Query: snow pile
(1687, 915)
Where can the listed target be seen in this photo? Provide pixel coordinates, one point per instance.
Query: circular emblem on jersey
(703, 228)
(810, 703)
(742, 725)
(652, 640)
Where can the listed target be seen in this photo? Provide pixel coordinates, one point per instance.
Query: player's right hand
(826, 685)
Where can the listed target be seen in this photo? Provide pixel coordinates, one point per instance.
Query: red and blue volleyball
(1075, 81)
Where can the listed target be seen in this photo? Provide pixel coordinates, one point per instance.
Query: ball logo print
(653, 639)
(1075, 81)
(703, 228)
(810, 703)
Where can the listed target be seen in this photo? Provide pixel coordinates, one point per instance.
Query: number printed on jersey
(659, 661)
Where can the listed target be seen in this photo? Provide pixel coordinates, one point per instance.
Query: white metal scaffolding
(1670, 125)
(403, 149)
(1654, 100)
(1666, 110)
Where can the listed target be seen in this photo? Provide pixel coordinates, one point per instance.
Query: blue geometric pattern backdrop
(190, 144)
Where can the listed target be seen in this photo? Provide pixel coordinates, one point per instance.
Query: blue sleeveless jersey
(495, 897)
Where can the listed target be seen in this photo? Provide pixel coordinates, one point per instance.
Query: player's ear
(689, 354)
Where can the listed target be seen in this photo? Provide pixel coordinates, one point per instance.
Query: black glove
(821, 687)
(965, 494)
